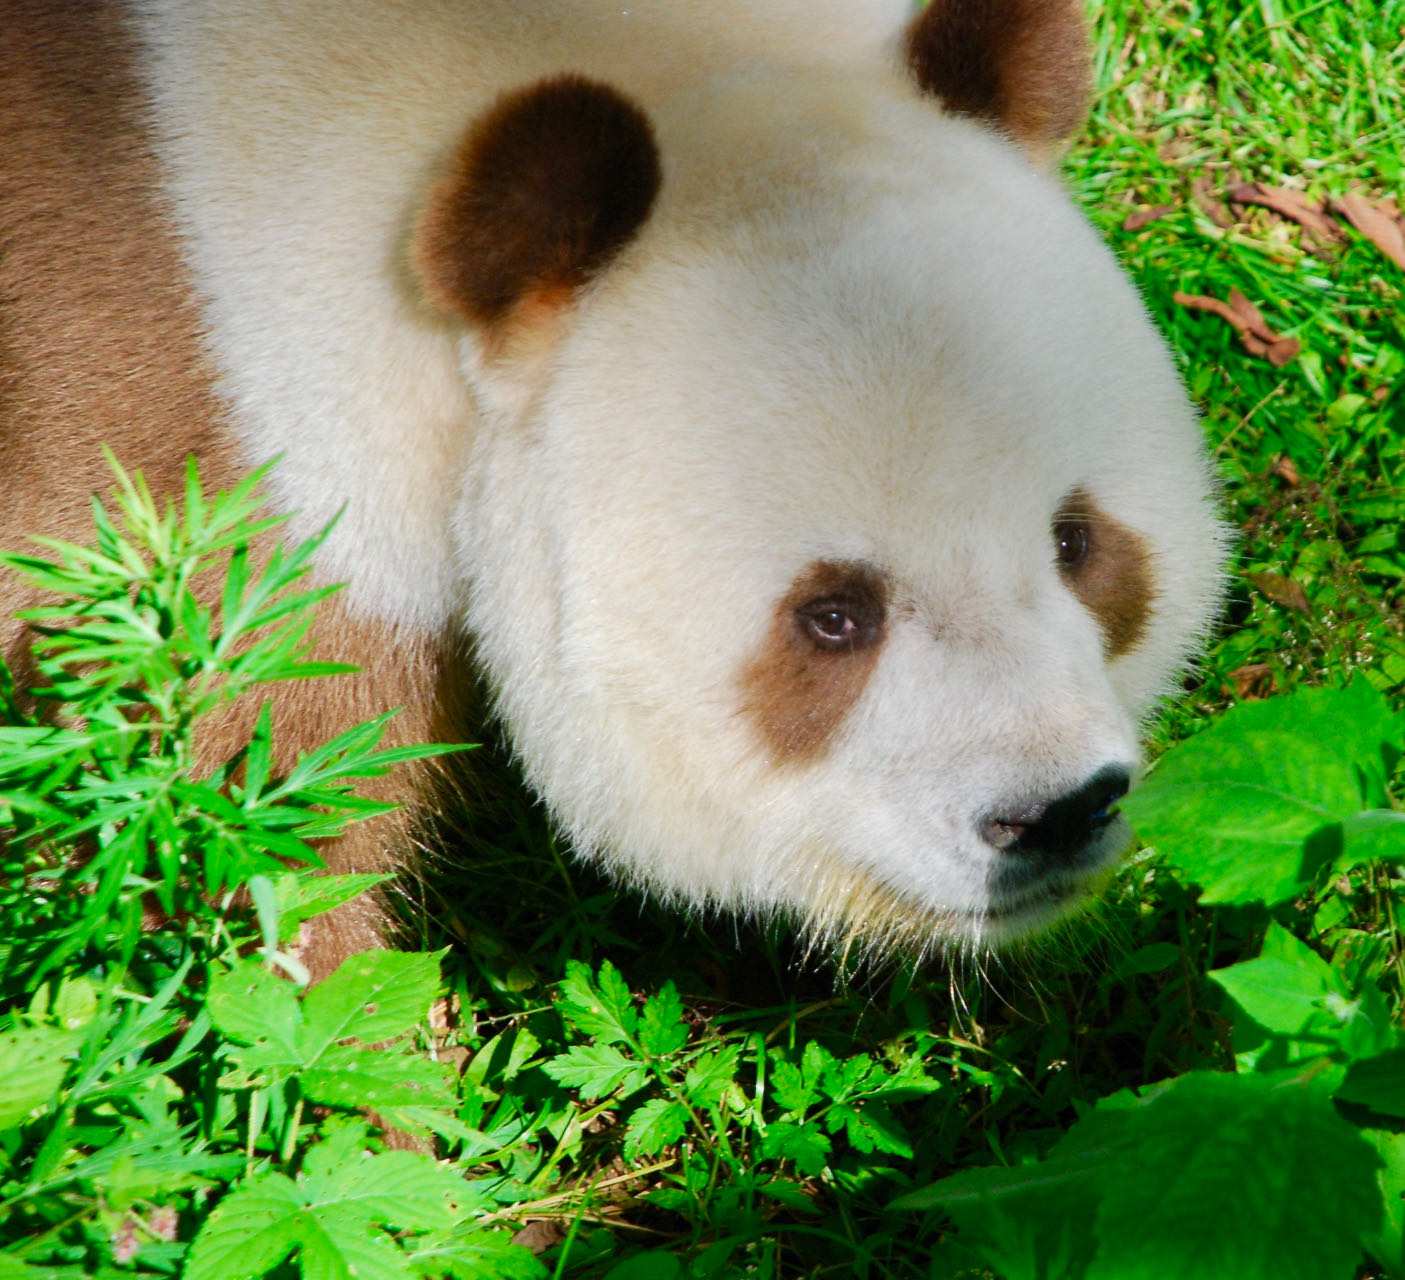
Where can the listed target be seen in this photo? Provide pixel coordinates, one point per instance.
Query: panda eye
(838, 623)
(1071, 542)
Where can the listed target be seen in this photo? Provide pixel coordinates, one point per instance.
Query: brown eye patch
(1108, 567)
(825, 636)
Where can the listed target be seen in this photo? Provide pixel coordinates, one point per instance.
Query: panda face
(855, 533)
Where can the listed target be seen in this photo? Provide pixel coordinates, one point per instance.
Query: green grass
(657, 1097)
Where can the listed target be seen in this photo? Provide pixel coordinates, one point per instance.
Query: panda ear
(1023, 65)
(544, 190)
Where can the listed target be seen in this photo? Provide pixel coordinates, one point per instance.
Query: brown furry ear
(544, 190)
(1021, 64)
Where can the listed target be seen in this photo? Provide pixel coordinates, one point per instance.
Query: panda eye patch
(1107, 566)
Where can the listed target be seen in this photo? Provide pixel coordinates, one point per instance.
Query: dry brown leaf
(1281, 590)
(1378, 226)
(1277, 353)
(1254, 332)
(1253, 318)
(1203, 302)
(1291, 204)
(1252, 680)
(1285, 469)
(1214, 209)
(1144, 217)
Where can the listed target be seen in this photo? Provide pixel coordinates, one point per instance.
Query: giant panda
(736, 380)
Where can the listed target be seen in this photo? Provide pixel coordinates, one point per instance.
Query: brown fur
(796, 693)
(546, 188)
(100, 342)
(1020, 64)
(1114, 578)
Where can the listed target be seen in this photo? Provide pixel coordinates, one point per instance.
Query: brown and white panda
(823, 508)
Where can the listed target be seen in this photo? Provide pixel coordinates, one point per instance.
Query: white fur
(853, 328)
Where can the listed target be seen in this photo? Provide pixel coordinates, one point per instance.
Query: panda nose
(1062, 826)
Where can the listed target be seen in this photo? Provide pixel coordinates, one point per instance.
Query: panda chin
(1027, 894)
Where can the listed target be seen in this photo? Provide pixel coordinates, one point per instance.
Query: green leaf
(870, 1126)
(372, 996)
(1156, 957)
(33, 1064)
(254, 1006)
(400, 1189)
(806, 1145)
(1300, 1180)
(653, 1126)
(471, 1253)
(376, 1078)
(337, 1216)
(662, 1030)
(790, 1194)
(1252, 807)
(710, 1076)
(602, 1010)
(1030, 1222)
(789, 1088)
(249, 1232)
(1387, 1244)
(1377, 1083)
(304, 895)
(1285, 990)
(1374, 835)
(597, 1070)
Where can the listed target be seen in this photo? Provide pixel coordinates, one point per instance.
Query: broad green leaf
(397, 1189)
(1374, 835)
(597, 1070)
(333, 1247)
(76, 1003)
(1237, 820)
(1387, 1244)
(12, 1268)
(662, 1030)
(1285, 990)
(254, 1006)
(336, 1216)
(302, 896)
(653, 1126)
(1030, 1222)
(350, 1077)
(1300, 1180)
(249, 1232)
(33, 1063)
(476, 1254)
(372, 996)
(1377, 1083)
(1252, 807)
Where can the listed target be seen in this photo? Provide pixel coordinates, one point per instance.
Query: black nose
(1062, 826)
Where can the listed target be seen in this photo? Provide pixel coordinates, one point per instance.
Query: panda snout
(1060, 827)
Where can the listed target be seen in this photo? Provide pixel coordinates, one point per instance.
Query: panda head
(836, 515)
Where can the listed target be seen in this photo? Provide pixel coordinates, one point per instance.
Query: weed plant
(1206, 1080)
